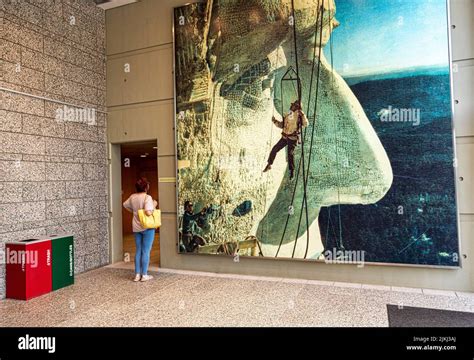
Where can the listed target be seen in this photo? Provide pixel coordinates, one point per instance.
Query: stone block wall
(53, 159)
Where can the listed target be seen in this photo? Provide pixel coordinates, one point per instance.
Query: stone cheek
(348, 162)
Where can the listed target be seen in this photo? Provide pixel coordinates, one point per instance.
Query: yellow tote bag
(152, 221)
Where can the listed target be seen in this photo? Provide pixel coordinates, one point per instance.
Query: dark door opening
(139, 159)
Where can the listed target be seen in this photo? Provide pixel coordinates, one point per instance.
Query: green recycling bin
(62, 247)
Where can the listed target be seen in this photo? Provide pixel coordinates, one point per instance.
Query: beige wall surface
(53, 172)
(140, 105)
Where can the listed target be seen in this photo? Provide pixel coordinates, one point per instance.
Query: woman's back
(137, 202)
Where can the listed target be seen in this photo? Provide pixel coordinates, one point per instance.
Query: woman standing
(143, 237)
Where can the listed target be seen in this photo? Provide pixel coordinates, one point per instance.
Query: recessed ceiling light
(155, 147)
(143, 156)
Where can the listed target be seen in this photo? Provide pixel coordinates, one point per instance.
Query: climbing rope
(299, 130)
(330, 24)
(302, 158)
(319, 22)
(330, 225)
(340, 245)
(272, 98)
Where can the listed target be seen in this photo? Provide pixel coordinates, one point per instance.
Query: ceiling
(109, 4)
(140, 148)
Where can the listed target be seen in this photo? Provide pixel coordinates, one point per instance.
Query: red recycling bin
(28, 268)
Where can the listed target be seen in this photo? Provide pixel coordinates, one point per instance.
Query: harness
(295, 135)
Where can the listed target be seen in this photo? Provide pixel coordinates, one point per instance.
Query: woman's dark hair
(142, 185)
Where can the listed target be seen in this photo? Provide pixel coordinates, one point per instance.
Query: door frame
(115, 198)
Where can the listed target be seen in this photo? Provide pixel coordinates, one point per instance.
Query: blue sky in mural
(378, 36)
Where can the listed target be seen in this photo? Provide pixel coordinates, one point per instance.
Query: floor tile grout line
(324, 283)
(410, 290)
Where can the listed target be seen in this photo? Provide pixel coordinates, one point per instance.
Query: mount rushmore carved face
(230, 58)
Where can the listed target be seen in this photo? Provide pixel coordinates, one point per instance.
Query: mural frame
(321, 261)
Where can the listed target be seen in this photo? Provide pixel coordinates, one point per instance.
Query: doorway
(138, 159)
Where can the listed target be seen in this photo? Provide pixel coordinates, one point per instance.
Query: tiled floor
(108, 297)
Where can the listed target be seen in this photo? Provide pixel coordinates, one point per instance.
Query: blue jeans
(143, 242)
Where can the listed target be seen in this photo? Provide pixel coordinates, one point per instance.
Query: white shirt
(137, 202)
(290, 123)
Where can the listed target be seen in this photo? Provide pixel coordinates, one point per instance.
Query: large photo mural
(316, 129)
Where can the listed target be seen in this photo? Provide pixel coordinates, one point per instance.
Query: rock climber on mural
(292, 124)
